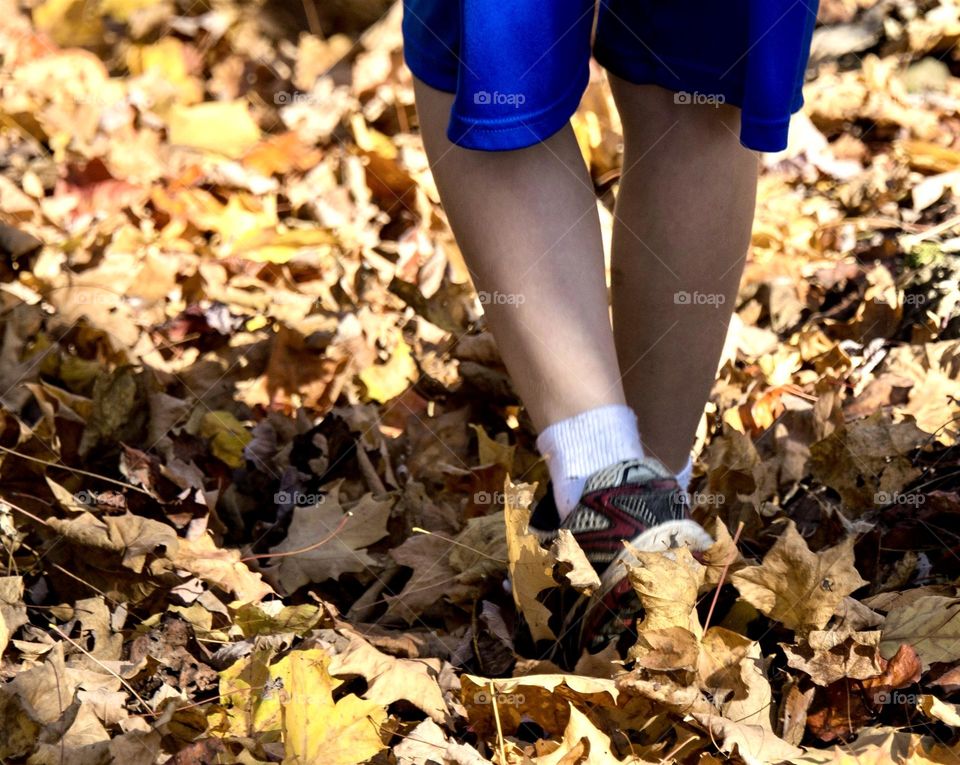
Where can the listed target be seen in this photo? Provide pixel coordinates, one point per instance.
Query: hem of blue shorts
(768, 136)
(756, 133)
(522, 131)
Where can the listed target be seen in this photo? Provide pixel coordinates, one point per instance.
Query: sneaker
(637, 501)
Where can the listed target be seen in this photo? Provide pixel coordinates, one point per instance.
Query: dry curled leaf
(340, 540)
(930, 624)
(828, 656)
(573, 565)
(544, 698)
(584, 744)
(390, 679)
(666, 585)
(797, 587)
(530, 566)
(755, 744)
(428, 743)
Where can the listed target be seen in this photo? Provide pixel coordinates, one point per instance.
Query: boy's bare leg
(683, 221)
(528, 227)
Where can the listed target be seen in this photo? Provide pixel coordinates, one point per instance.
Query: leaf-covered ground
(255, 441)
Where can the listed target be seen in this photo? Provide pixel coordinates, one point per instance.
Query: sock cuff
(590, 441)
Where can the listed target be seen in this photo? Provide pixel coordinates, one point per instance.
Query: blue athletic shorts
(519, 67)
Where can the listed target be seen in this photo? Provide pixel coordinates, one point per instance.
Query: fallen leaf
(755, 706)
(390, 679)
(434, 580)
(221, 567)
(828, 656)
(543, 698)
(316, 728)
(722, 557)
(930, 624)
(428, 743)
(669, 648)
(343, 536)
(492, 451)
(797, 587)
(846, 705)
(721, 656)
(584, 744)
(273, 617)
(227, 437)
(530, 566)
(667, 585)
(134, 537)
(387, 381)
(480, 551)
(756, 744)
(573, 564)
(119, 411)
(13, 611)
(866, 461)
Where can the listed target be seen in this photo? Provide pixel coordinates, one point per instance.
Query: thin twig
(78, 471)
(418, 530)
(723, 576)
(496, 718)
(314, 546)
(90, 656)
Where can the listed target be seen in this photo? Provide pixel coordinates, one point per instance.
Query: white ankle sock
(579, 446)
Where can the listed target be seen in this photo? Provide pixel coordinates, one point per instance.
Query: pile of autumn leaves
(713, 679)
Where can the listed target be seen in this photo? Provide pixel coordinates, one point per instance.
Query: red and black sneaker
(636, 501)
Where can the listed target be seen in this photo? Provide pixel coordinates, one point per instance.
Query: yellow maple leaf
(292, 701)
(317, 729)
